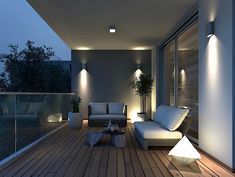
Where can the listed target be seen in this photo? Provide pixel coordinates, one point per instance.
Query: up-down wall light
(83, 66)
(210, 29)
(112, 29)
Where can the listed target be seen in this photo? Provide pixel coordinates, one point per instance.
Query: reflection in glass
(169, 52)
(188, 74)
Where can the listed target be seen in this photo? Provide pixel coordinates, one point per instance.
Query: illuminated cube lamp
(184, 152)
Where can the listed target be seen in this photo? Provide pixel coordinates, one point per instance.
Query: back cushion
(116, 108)
(173, 118)
(161, 113)
(98, 108)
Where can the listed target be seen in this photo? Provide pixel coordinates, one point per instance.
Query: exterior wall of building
(107, 75)
(216, 80)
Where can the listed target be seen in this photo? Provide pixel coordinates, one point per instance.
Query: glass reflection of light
(183, 75)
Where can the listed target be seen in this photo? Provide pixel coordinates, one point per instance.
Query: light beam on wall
(212, 60)
(83, 80)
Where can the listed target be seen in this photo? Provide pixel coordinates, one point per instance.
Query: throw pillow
(116, 108)
(98, 108)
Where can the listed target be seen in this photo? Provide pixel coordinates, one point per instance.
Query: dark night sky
(19, 23)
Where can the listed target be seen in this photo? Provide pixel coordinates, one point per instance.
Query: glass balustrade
(27, 117)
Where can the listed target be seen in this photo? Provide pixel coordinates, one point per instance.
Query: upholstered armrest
(89, 110)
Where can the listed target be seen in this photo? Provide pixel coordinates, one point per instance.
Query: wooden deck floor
(66, 153)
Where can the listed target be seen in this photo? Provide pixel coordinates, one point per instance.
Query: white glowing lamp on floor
(184, 152)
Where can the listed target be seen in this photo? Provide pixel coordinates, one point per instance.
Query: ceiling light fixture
(112, 29)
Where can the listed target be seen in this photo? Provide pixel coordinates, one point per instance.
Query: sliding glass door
(180, 73)
(169, 76)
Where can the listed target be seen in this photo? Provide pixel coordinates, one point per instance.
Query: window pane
(188, 74)
(169, 74)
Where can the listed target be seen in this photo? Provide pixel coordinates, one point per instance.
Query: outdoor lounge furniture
(99, 114)
(166, 129)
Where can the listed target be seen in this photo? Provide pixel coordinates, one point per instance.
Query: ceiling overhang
(84, 24)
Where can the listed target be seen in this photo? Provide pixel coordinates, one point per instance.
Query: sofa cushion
(34, 108)
(107, 116)
(98, 108)
(116, 108)
(161, 113)
(173, 118)
(153, 130)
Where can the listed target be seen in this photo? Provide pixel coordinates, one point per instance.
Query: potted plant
(142, 85)
(75, 118)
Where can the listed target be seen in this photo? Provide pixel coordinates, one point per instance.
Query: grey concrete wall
(107, 76)
(216, 80)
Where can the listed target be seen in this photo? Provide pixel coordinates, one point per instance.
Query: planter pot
(142, 116)
(75, 120)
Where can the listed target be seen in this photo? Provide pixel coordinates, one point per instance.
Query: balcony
(66, 153)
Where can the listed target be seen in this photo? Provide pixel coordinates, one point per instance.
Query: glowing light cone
(184, 152)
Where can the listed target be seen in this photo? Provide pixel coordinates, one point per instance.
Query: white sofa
(167, 128)
(99, 114)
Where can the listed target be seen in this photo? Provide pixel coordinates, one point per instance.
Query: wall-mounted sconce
(83, 66)
(138, 66)
(112, 29)
(210, 29)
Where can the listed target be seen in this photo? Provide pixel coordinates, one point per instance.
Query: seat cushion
(107, 116)
(116, 108)
(173, 118)
(153, 130)
(98, 108)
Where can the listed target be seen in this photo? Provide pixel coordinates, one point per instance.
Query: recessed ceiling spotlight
(83, 48)
(112, 29)
(139, 48)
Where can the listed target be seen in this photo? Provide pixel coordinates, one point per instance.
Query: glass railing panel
(29, 122)
(53, 116)
(7, 125)
(38, 115)
(26, 117)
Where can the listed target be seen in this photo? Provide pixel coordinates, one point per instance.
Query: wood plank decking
(66, 153)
